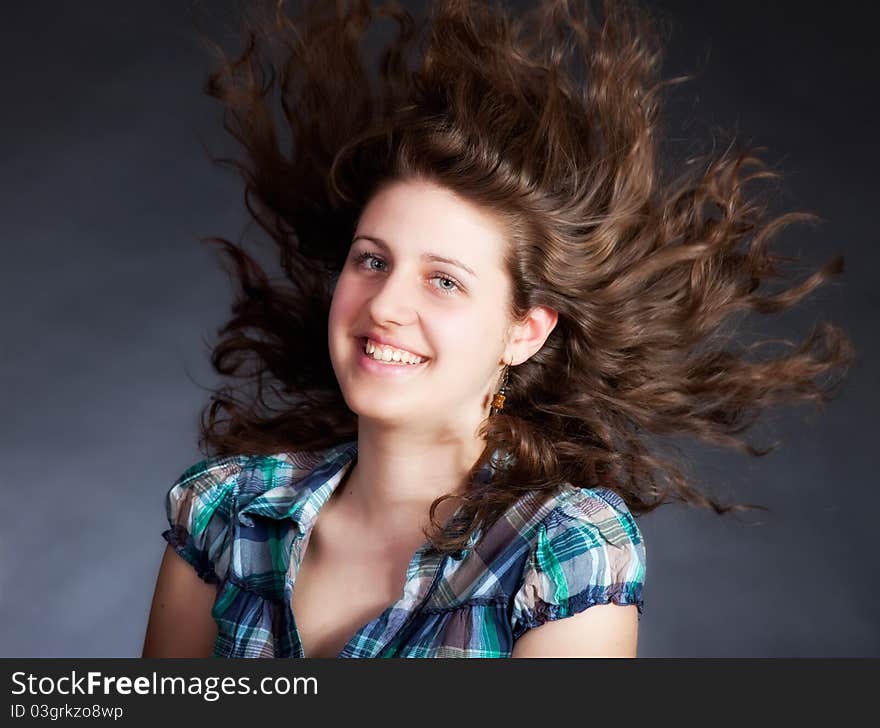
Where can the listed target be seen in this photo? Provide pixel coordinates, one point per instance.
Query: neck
(398, 475)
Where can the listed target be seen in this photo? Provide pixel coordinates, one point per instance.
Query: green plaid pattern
(241, 522)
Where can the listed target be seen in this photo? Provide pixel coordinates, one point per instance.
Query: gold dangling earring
(498, 399)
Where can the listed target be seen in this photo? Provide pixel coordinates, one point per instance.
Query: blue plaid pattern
(241, 522)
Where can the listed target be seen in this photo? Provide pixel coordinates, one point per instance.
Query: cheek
(468, 338)
(483, 324)
(345, 301)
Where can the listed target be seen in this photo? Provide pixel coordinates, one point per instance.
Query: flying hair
(550, 119)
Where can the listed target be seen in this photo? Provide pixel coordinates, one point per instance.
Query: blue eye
(362, 258)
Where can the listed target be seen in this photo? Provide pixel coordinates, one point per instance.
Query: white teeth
(387, 353)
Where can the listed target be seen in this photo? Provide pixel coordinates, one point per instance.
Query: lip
(368, 363)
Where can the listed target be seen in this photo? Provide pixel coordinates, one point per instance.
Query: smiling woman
(493, 300)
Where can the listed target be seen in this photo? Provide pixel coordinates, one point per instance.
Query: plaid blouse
(242, 522)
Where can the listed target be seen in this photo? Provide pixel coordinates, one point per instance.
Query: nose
(393, 298)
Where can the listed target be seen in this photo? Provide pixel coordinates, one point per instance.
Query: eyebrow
(425, 256)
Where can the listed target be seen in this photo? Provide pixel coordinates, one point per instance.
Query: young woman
(492, 300)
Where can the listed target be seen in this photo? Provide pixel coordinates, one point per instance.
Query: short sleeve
(199, 507)
(587, 551)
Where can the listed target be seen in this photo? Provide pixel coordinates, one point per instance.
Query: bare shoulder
(603, 630)
(180, 622)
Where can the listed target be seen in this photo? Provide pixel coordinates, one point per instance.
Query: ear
(528, 336)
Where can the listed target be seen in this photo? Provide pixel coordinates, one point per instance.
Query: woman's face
(391, 287)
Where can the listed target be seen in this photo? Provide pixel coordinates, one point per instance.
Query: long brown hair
(551, 121)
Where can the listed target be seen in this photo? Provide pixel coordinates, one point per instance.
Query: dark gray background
(107, 295)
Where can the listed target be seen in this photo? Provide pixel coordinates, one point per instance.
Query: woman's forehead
(427, 220)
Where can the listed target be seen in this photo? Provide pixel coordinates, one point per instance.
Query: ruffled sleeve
(199, 507)
(587, 551)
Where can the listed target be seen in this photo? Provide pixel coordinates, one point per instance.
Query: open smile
(381, 367)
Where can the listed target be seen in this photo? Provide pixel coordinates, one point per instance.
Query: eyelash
(362, 257)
